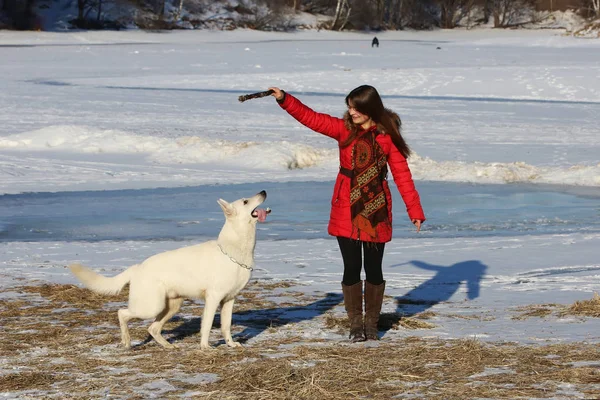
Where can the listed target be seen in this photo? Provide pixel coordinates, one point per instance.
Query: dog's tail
(99, 283)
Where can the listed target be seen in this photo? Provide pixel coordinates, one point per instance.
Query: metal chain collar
(234, 260)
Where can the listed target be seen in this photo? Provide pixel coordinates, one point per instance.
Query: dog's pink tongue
(262, 214)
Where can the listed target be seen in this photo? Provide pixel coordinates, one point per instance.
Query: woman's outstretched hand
(277, 93)
(417, 223)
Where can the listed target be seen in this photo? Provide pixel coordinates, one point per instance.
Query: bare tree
(326, 7)
(596, 7)
(99, 8)
(160, 8)
(83, 8)
(338, 21)
(447, 11)
(345, 20)
(395, 14)
(179, 11)
(452, 11)
(380, 6)
(487, 11)
(508, 12)
(338, 10)
(468, 7)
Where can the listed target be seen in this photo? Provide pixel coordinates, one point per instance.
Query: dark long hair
(366, 100)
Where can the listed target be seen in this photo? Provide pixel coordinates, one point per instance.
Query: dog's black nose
(263, 193)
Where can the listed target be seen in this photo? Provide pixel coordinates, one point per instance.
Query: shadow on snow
(255, 321)
(440, 288)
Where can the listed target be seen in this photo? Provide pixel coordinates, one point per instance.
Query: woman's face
(357, 117)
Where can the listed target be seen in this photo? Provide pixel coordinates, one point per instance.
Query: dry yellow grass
(531, 311)
(387, 321)
(25, 380)
(74, 354)
(71, 294)
(583, 308)
(587, 308)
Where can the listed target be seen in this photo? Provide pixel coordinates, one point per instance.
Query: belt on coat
(347, 172)
(350, 172)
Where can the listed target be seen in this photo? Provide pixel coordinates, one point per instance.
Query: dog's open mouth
(261, 213)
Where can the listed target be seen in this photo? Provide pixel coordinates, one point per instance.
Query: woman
(361, 209)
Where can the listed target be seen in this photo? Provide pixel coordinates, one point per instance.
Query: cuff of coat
(418, 216)
(283, 99)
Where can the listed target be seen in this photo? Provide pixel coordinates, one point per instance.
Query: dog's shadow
(255, 321)
(440, 288)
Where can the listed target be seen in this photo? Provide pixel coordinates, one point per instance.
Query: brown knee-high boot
(373, 302)
(353, 298)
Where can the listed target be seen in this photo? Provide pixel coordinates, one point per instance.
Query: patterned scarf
(367, 198)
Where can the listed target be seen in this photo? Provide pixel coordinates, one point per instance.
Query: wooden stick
(255, 95)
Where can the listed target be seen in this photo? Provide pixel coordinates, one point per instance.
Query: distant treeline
(278, 14)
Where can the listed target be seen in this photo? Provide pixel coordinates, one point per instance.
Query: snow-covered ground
(115, 110)
(132, 110)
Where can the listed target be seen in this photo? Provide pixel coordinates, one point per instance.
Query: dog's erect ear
(227, 208)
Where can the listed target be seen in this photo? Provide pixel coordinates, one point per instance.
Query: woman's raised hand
(277, 93)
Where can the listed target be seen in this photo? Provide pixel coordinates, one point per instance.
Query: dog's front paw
(206, 346)
(234, 344)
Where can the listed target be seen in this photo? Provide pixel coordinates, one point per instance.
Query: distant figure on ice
(375, 42)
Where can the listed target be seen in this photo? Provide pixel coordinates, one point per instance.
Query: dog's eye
(245, 202)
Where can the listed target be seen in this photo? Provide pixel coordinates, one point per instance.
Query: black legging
(352, 256)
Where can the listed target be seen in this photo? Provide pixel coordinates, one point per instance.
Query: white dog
(215, 271)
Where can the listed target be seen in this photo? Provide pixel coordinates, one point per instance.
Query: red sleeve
(405, 184)
(322, 123)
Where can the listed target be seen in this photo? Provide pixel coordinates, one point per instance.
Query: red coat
(340, 223)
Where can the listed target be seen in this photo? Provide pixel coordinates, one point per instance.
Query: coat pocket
(341, 192)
